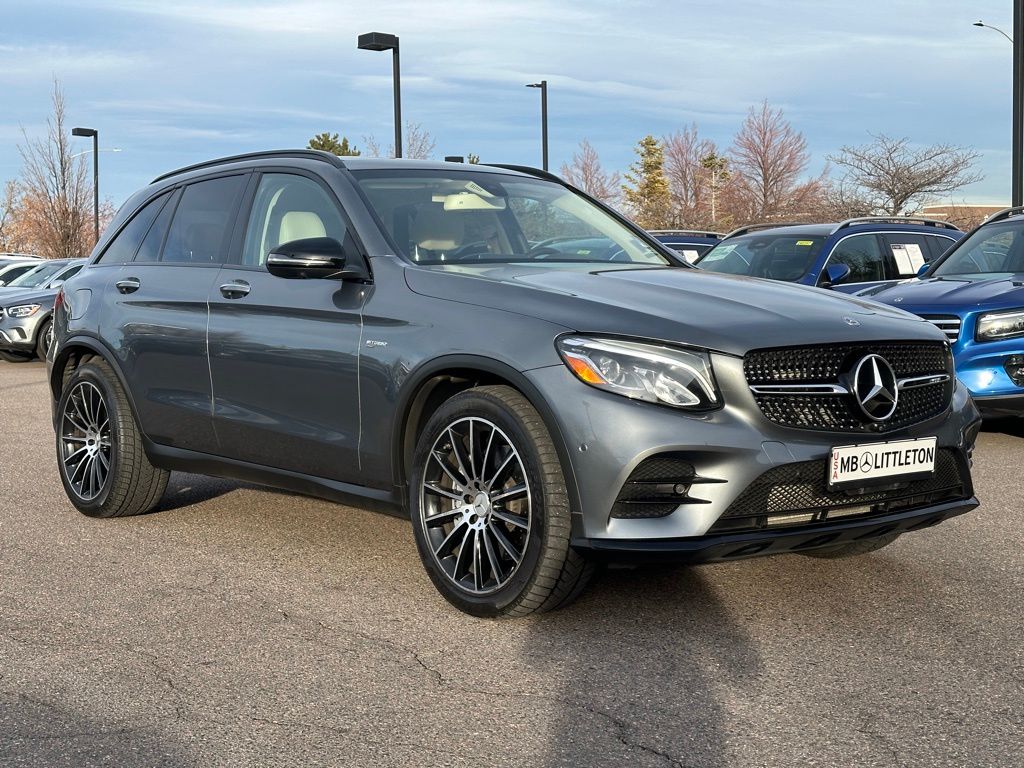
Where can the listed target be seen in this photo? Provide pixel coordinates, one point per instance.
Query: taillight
(59, 301)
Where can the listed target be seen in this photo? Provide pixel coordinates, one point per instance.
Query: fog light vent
(656, 487)
(1014, 367)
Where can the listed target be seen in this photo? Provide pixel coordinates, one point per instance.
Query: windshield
(465, 217)
(37, 276)
(992, 250)
(774, 256)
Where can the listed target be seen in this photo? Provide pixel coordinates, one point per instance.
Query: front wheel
(104, 470)
(15, 357)
(45, 340)
(489, 507)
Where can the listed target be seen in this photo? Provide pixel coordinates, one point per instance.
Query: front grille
(656, 487)
(948, 324)
(839, 412)
(802, 487)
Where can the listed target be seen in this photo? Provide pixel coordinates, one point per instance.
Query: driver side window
(863, 255)
(289, 207)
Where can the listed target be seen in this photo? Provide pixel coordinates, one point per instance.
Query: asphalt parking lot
(243, 626)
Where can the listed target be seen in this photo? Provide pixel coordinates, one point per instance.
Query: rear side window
(67, 274)
(939, 245)
(203, 221)
(150, 248)
(123, 247)
(909, 251)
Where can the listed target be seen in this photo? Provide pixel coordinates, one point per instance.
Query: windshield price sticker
(857, 463)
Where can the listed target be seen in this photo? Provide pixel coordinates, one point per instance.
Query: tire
(130, 485)
(44, 339)
(514, 523)
(15, 357)
(854, 549)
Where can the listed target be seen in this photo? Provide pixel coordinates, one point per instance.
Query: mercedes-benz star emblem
(851, 320)
(874, 386)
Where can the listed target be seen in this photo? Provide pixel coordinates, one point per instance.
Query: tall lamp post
(543, 85)
(1017, 164)
(380, 41)
(87, 132)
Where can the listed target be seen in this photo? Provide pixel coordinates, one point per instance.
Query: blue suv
(856, 253)
(975, 293)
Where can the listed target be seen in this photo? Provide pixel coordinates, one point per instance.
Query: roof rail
(764, 225)
(687, 233)
(309, 154)
(1004, 214)
(528, 170)
(922, 220)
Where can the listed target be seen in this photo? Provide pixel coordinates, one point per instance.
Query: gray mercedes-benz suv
(418, 336)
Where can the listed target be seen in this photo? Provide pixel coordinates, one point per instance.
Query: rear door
(156, 311)
(284, 353)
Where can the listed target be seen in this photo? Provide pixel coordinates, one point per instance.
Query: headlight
(23, 310)
(1000, 325)
(651, 372)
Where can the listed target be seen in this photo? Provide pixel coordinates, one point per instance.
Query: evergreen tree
(647, 191)
(328, 142)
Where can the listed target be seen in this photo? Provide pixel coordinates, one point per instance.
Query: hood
(17, 296)
(687, 306)
(1003, 291)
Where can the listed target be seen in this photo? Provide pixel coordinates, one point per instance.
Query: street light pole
(86, 132)
(543, 85)
(380, 41)
(1017, 154)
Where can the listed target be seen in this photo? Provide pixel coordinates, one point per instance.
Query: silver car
(26, 306)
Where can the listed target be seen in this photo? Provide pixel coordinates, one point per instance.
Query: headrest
(299, 225)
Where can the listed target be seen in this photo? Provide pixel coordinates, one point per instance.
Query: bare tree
(12, 233)
(56, 200)
(586, 173)
(696, 173)
(768, 158)
(418, 144)
(898, 177)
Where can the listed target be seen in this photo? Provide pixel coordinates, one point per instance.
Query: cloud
(21, 62)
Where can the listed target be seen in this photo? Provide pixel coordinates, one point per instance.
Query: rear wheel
(102, 465)
(490, 510)
(855, 549)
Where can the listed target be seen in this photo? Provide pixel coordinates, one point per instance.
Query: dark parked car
(26, 307)
(975, 294)
(691, 244)
(850, 256)
(385, 331)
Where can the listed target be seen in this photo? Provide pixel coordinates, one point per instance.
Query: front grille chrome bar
(922, 381)
(837, 389)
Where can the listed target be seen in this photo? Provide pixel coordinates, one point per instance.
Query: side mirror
(835, 274)
(315, 258)
(922, 269)
(56, 284)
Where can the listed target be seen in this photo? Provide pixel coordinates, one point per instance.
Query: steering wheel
(540, 251)
(468, 251)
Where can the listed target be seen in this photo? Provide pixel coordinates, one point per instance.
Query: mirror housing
(922, 269)
(835, 274)
(312, 258)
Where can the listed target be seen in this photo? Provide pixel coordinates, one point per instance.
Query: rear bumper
(706, 549)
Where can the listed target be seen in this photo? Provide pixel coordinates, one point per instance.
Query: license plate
(855, 464)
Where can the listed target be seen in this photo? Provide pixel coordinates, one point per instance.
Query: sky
(175, 82)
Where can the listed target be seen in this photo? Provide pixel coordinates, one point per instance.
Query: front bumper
(19, 333)
(707, 549)
(608, 436)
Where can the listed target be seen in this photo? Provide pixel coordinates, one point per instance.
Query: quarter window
(150, 248)
(289, 207)
(201, 229)
(123, 247)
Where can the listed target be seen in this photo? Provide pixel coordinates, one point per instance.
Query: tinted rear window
(203, 221)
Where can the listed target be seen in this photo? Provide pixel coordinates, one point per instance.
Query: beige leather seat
(435, 229)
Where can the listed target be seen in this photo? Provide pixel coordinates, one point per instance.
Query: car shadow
(644, 659)
(185, 490)
(34, 731)
(1014, 427)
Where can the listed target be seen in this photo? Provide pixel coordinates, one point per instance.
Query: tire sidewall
(93, 507)
(483, 406)
(42, 348)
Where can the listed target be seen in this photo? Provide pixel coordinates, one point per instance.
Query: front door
(284, 353)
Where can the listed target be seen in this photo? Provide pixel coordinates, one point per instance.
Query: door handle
(236, 289)
(128, 285)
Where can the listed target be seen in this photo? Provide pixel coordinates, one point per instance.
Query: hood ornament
(851, 321)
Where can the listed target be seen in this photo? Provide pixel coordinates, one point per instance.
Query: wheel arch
(73, 352)
(434, 383)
